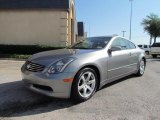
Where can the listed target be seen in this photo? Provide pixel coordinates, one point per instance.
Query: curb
(15, 59)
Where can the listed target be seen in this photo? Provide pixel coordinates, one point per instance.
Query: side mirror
(115, 48)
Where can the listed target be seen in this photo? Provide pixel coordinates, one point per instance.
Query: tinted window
(156, 45)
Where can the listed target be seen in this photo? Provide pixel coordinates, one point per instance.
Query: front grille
(34, 67)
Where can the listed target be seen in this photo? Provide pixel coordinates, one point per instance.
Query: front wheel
(84, 85)
(141, 69)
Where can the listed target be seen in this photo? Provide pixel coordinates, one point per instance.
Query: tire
(154, 56)
(82, 87)
(147, 52)
(142, 67)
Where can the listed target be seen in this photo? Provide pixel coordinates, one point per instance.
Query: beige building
(32, 22)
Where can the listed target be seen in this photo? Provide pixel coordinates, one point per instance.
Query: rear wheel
(141, 68)
(154, 56)
(147, 52)
(84, 85)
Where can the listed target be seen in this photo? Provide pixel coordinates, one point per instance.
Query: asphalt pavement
(131, 98)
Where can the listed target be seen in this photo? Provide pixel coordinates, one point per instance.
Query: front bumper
(50, 85)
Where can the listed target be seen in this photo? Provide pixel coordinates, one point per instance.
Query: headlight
(60, 65)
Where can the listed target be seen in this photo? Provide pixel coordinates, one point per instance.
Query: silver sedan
(78, 71)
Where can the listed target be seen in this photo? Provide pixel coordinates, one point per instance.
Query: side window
(120, 43)
(130, 45)
(123, 44)
(145, 46)
(116, 42)
(156, 45)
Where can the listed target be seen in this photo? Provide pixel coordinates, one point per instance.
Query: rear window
(156, 45)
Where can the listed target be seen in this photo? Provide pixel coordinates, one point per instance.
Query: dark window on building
(80, 29)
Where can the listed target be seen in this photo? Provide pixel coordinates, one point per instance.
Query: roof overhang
(35, 4)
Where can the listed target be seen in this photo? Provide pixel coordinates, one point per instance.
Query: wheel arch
(94, 67)
(144, 60)
(142, 56)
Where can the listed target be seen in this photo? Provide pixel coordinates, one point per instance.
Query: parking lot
(131, 98)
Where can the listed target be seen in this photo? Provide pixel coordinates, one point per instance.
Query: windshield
(92, 43)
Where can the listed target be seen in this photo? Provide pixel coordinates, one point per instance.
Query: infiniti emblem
(28, 66)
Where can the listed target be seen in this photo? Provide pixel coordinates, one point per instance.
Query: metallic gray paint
(111, 67)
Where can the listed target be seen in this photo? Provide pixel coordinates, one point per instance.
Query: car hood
(48, 57)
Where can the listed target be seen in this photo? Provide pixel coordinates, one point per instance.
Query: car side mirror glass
(115, 48)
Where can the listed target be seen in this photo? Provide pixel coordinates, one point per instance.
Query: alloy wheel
(142, 67)
(86, 84)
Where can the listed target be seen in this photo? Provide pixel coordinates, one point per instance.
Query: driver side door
(118, 60)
